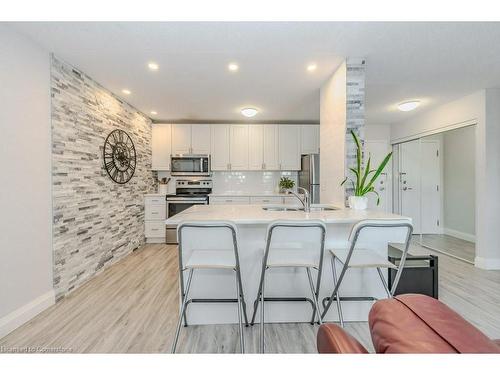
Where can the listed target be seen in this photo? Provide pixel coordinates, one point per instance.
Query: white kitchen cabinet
(238, 148)
(256, 147)
(289, 147)
(309, 139)
(200, 139)
(220, 147)
(161, 147)
(266, 200)
(181, 139)
(271, 159)
(229, 200)
(190, 139)
(155, 212)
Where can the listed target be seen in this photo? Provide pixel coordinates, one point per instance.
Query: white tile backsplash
(249, 182)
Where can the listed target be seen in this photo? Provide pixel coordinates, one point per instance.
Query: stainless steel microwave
(190, 165)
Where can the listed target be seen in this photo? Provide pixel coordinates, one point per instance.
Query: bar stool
(223, 257)
(356, 256)
(299, 244)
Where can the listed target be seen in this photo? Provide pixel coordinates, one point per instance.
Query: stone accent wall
(355, 113)
(95, 220)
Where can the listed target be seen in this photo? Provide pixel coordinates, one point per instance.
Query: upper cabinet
(220, 147)
(238, 148)
(309, 139)
(160, 147)
(256, 147)
(289, 147)
(190, 139)
(271, 148)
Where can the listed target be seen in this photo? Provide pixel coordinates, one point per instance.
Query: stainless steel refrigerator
(309, 175)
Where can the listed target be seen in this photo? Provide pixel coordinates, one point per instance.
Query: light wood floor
(132, 307)
(453, 246)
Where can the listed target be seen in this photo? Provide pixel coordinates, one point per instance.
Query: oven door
(175, 206)
(190, 165)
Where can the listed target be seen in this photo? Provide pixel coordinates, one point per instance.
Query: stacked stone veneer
(95, 220)
(355, 112)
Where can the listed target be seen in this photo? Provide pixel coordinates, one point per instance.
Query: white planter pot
(358, 203)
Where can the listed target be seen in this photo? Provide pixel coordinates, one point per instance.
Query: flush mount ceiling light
(153, 113)
(311, 67)
(408, 106)
(233, 67)
(126, 91)
(153, 66)
(249, 112)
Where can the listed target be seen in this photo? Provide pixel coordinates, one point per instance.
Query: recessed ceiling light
(408, 106)
(249, 112)
(153, 66)
(311, 67)
(153, 113)
(127, 91)
(233, 67)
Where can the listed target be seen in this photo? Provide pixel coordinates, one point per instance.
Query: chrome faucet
(306, 202)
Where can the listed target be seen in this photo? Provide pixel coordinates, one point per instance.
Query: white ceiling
(433, 62)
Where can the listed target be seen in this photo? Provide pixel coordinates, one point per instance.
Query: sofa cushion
(334, 340)
(414, 323)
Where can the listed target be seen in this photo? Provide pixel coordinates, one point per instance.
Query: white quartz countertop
(243, 194)
(255, 214)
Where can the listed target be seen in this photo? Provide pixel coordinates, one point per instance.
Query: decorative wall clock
(119, 156)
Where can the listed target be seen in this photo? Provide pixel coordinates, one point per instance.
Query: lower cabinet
(229, 200)
(155, 213)
(251, 199)
(266, 200)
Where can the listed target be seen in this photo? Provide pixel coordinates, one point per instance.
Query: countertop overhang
(255, 214)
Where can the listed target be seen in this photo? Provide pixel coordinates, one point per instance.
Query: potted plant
(364, 178)
(286, 183)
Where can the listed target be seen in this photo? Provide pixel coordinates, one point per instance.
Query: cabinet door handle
(155, 212)
(229, 200)
(154, 229)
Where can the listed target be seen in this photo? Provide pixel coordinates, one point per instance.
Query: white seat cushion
(302, 257)
(211, 259)
(362, 258)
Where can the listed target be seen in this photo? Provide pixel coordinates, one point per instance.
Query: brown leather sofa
(410, 323)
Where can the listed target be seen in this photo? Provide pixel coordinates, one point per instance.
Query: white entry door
(409, 182)
(419, 184)
(378, 150)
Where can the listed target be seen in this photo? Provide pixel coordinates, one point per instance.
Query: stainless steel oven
(190, 165)
(188, 193)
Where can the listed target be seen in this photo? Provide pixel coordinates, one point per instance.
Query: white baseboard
(487, 263)
(20, 316)
(462, 235)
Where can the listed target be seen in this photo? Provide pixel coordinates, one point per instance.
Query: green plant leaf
(365, 175)
(379, 170)
(358, 159)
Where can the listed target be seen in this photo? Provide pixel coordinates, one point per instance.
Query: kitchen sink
(282, 208)
(291, 208)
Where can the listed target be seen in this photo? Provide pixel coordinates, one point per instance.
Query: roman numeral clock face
(119, 156)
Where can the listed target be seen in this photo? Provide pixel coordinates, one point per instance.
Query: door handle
(407, 188)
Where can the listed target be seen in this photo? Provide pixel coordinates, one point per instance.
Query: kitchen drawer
(291, 200)
(265, 200)
(155, 200)
(155, 229)
(229, 200)
(155, 212)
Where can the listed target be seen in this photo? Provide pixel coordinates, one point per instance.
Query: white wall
(458, 154)
(25, 164)
(332, 137)
(483, 109)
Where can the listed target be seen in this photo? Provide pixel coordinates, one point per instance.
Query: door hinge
(437, 153)
(437, 187)
(438, 222)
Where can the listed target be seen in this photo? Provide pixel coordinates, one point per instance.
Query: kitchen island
(251, 222)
